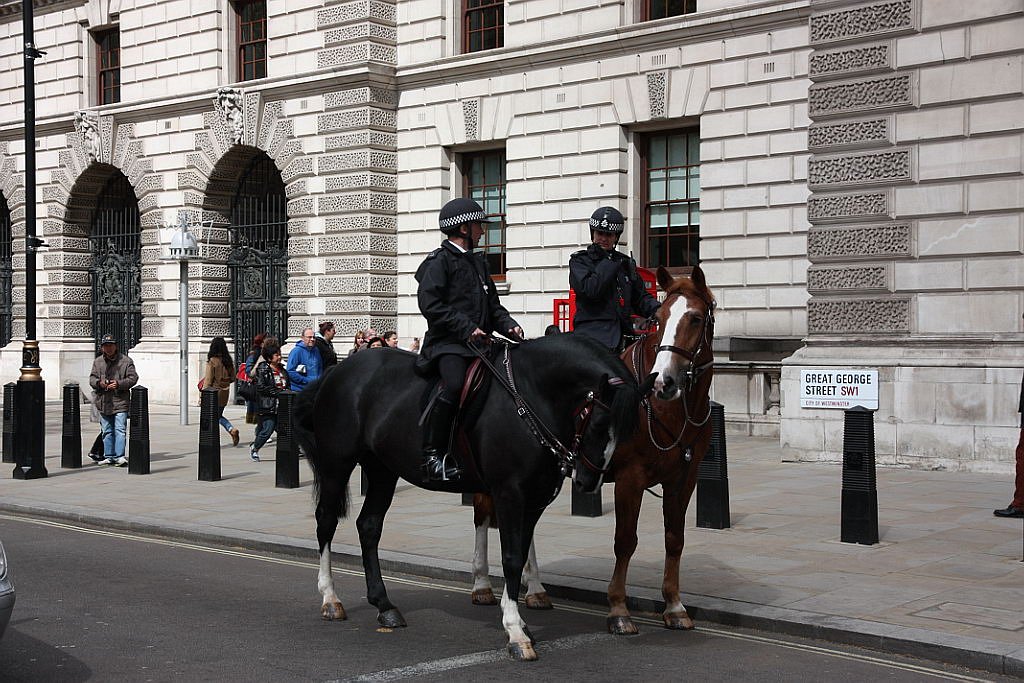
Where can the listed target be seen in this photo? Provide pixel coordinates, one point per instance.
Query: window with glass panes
(483, 25)
(252, 39)
(659, 9)
(671, 198)
(108, 66)
(484, 182)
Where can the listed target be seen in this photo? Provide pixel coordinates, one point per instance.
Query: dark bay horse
(578, 395)
(671, 442)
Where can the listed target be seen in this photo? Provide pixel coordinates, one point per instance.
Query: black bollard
(585, 504)
(467, 498)
(8, 442)
(71, 428)
(860, 498)
(286, 468)
(209, 435)
(713, 477)
(138, 433)
(30, 430)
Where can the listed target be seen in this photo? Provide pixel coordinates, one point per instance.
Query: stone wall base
(941, 407)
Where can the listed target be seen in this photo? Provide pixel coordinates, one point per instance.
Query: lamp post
(29, 433)
(184, 248)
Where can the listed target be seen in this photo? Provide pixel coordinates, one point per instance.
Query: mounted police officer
(608, 288)
(460, 302)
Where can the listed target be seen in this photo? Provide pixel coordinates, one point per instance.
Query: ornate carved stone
(88, 125)
(657, 85)
(231, 104)
(863, 133)
(859, 241)
(844, 316)
(891, 166)
(833, 99)
(844, 207)
(862, 277)
(826, 64)
(471, 115)
(883, 18)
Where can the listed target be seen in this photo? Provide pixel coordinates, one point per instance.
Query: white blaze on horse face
(666, 363)
(609, 448)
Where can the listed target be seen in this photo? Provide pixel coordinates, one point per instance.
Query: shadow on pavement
(24, 658)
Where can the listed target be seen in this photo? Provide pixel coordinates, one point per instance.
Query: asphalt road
(105, 606)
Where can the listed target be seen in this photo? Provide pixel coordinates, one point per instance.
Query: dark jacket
(327, 355)
(121, 368)
(608, 290)
(267, 390)
(456, 295)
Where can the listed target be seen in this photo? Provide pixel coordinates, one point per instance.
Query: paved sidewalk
(946, 581)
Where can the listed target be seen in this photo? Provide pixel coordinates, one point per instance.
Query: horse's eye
(696, 319)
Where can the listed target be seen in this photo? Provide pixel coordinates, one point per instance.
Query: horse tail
(304, 431)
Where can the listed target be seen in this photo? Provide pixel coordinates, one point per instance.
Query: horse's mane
(625, 396)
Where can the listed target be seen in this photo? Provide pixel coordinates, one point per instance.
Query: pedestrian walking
(1016, 506)
(220, 375)
(324, 341)
(304, 365)
(460, 302)
(270, 378)
(251, 412)
(112, 377)
(607, 285)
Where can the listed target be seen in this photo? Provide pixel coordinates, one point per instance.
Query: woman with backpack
(220, 375)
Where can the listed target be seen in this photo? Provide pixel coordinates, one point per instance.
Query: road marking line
(465, 661)
(499, 655)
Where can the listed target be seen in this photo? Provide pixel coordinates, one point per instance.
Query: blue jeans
(224, 422)
(266, 427)
(113, 427)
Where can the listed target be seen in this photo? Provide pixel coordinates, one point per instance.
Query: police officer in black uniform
(608, 288)
(460, 302)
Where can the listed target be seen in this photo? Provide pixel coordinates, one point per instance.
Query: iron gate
(116, 244)
(6, 273)
(258, 259)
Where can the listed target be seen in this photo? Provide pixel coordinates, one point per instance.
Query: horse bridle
(566, 455)
(693, 373)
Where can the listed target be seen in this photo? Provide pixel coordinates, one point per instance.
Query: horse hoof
(484, 596)
(622, 626)
(679, 621)
(333, 611)
(391, 618)
(522, 652)
(539, 601)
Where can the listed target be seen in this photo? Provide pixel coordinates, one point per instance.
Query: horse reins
(693, 373)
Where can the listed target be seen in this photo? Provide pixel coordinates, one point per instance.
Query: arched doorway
(116, 244)
(6, 274)
(258, 261)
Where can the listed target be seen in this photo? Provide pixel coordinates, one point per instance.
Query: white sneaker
(121, 462)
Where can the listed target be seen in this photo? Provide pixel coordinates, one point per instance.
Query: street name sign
(838, 388)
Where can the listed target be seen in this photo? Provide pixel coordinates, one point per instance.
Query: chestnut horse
(666, 450)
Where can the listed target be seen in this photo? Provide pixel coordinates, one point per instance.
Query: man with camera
(304, 364)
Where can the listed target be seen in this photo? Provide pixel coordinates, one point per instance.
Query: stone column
(916, 232)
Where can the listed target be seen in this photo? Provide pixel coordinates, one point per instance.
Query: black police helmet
(459, 212)
(607, 219)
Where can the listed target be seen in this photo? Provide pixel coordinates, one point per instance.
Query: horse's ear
(665, 279)
(697, 276)
(648, 384)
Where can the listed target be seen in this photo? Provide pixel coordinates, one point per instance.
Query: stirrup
(435, 469)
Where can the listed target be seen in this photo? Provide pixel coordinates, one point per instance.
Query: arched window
(116, 243)
(259, 255)
(6, 273)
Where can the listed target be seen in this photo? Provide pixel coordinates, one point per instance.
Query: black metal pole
(286, 466)
(29, 438)
(138, 435)
(713, 477)
(859, 502)
(9, 414)
(209, 435)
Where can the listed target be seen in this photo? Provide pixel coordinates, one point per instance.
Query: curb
(974, 653)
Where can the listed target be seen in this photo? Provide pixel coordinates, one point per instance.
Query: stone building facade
(848, 175)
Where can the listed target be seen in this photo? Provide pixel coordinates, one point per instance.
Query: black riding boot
(436, 436)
